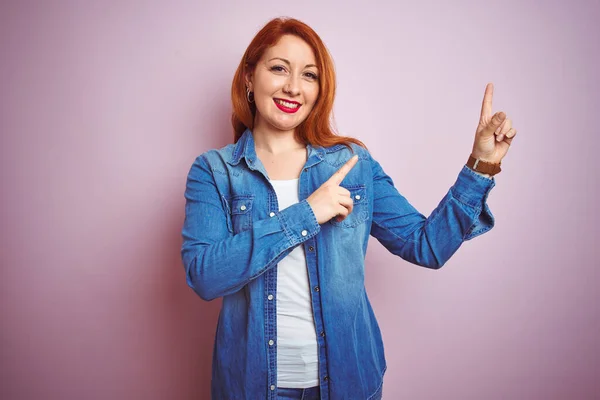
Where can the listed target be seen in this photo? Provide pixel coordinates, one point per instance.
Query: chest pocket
(360, 211)
(241, 212)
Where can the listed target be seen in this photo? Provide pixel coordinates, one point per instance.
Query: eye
(312, 76)
(277, 68)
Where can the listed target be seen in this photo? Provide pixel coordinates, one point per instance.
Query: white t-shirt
(297, 348)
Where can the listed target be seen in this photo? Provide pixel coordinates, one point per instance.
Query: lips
(295, 106)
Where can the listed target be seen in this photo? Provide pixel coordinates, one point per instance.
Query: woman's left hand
(494, 133)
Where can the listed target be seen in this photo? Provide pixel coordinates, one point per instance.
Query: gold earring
(249, 95)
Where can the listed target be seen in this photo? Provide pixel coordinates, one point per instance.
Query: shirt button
(322, 333)
(305, 169)
(270, 297)
(310, 248)
(316, 289)
(272, 214)
(304, 233)
(357, 197)
(271, 342)
(325, 378)
(243, 207)
(272, 387)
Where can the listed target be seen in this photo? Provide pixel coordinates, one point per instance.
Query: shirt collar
(244, 148)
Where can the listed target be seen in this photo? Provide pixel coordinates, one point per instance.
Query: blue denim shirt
(234, 235)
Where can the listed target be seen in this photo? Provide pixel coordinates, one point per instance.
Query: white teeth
(286, 104)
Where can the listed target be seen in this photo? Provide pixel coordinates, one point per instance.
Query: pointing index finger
(486, 106)
(341, 173)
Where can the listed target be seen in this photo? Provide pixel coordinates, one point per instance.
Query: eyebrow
(288, 63)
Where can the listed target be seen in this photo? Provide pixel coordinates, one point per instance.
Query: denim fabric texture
(298, 394)
(234, 235)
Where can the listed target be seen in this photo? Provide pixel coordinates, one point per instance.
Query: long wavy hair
(317, 128)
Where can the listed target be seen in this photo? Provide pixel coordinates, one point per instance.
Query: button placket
(270, 309)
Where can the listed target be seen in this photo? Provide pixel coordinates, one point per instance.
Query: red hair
(316, 129)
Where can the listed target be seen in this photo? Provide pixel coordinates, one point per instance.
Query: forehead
(291, 48)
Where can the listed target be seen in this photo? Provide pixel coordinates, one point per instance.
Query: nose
(292, 86)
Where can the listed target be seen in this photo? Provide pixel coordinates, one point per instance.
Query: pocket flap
(241, 204)
(358, 193)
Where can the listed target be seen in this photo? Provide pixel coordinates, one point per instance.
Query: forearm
(217, 265)
(461, 215)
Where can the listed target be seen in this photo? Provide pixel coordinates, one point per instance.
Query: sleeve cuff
(471, 188)
(299, 222)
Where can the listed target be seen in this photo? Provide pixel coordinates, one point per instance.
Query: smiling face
(285, 82)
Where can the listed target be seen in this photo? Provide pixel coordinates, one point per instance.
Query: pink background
(105, 106)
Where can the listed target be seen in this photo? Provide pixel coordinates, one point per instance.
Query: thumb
(495, 122)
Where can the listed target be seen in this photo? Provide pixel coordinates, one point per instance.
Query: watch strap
(483, 166)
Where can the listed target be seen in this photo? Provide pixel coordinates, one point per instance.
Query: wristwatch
(483, 166)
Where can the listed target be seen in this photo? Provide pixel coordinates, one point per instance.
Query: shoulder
(339, 153)
(215, 159)
(223, 154)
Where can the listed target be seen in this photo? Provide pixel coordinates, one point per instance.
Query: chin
(286, 125)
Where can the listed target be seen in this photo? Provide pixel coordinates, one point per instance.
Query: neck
(275, 141)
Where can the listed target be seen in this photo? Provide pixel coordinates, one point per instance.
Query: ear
(248, 80)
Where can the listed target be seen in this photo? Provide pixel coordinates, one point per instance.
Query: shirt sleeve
(461, 215)
(216, 261)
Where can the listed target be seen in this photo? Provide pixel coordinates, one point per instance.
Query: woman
(278, 223)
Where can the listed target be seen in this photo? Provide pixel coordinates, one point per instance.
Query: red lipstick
(287, 109)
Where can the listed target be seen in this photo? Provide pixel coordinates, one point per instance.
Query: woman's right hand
(331, 199)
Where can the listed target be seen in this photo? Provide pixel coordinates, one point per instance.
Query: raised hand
(494, 134)
(331, 199)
